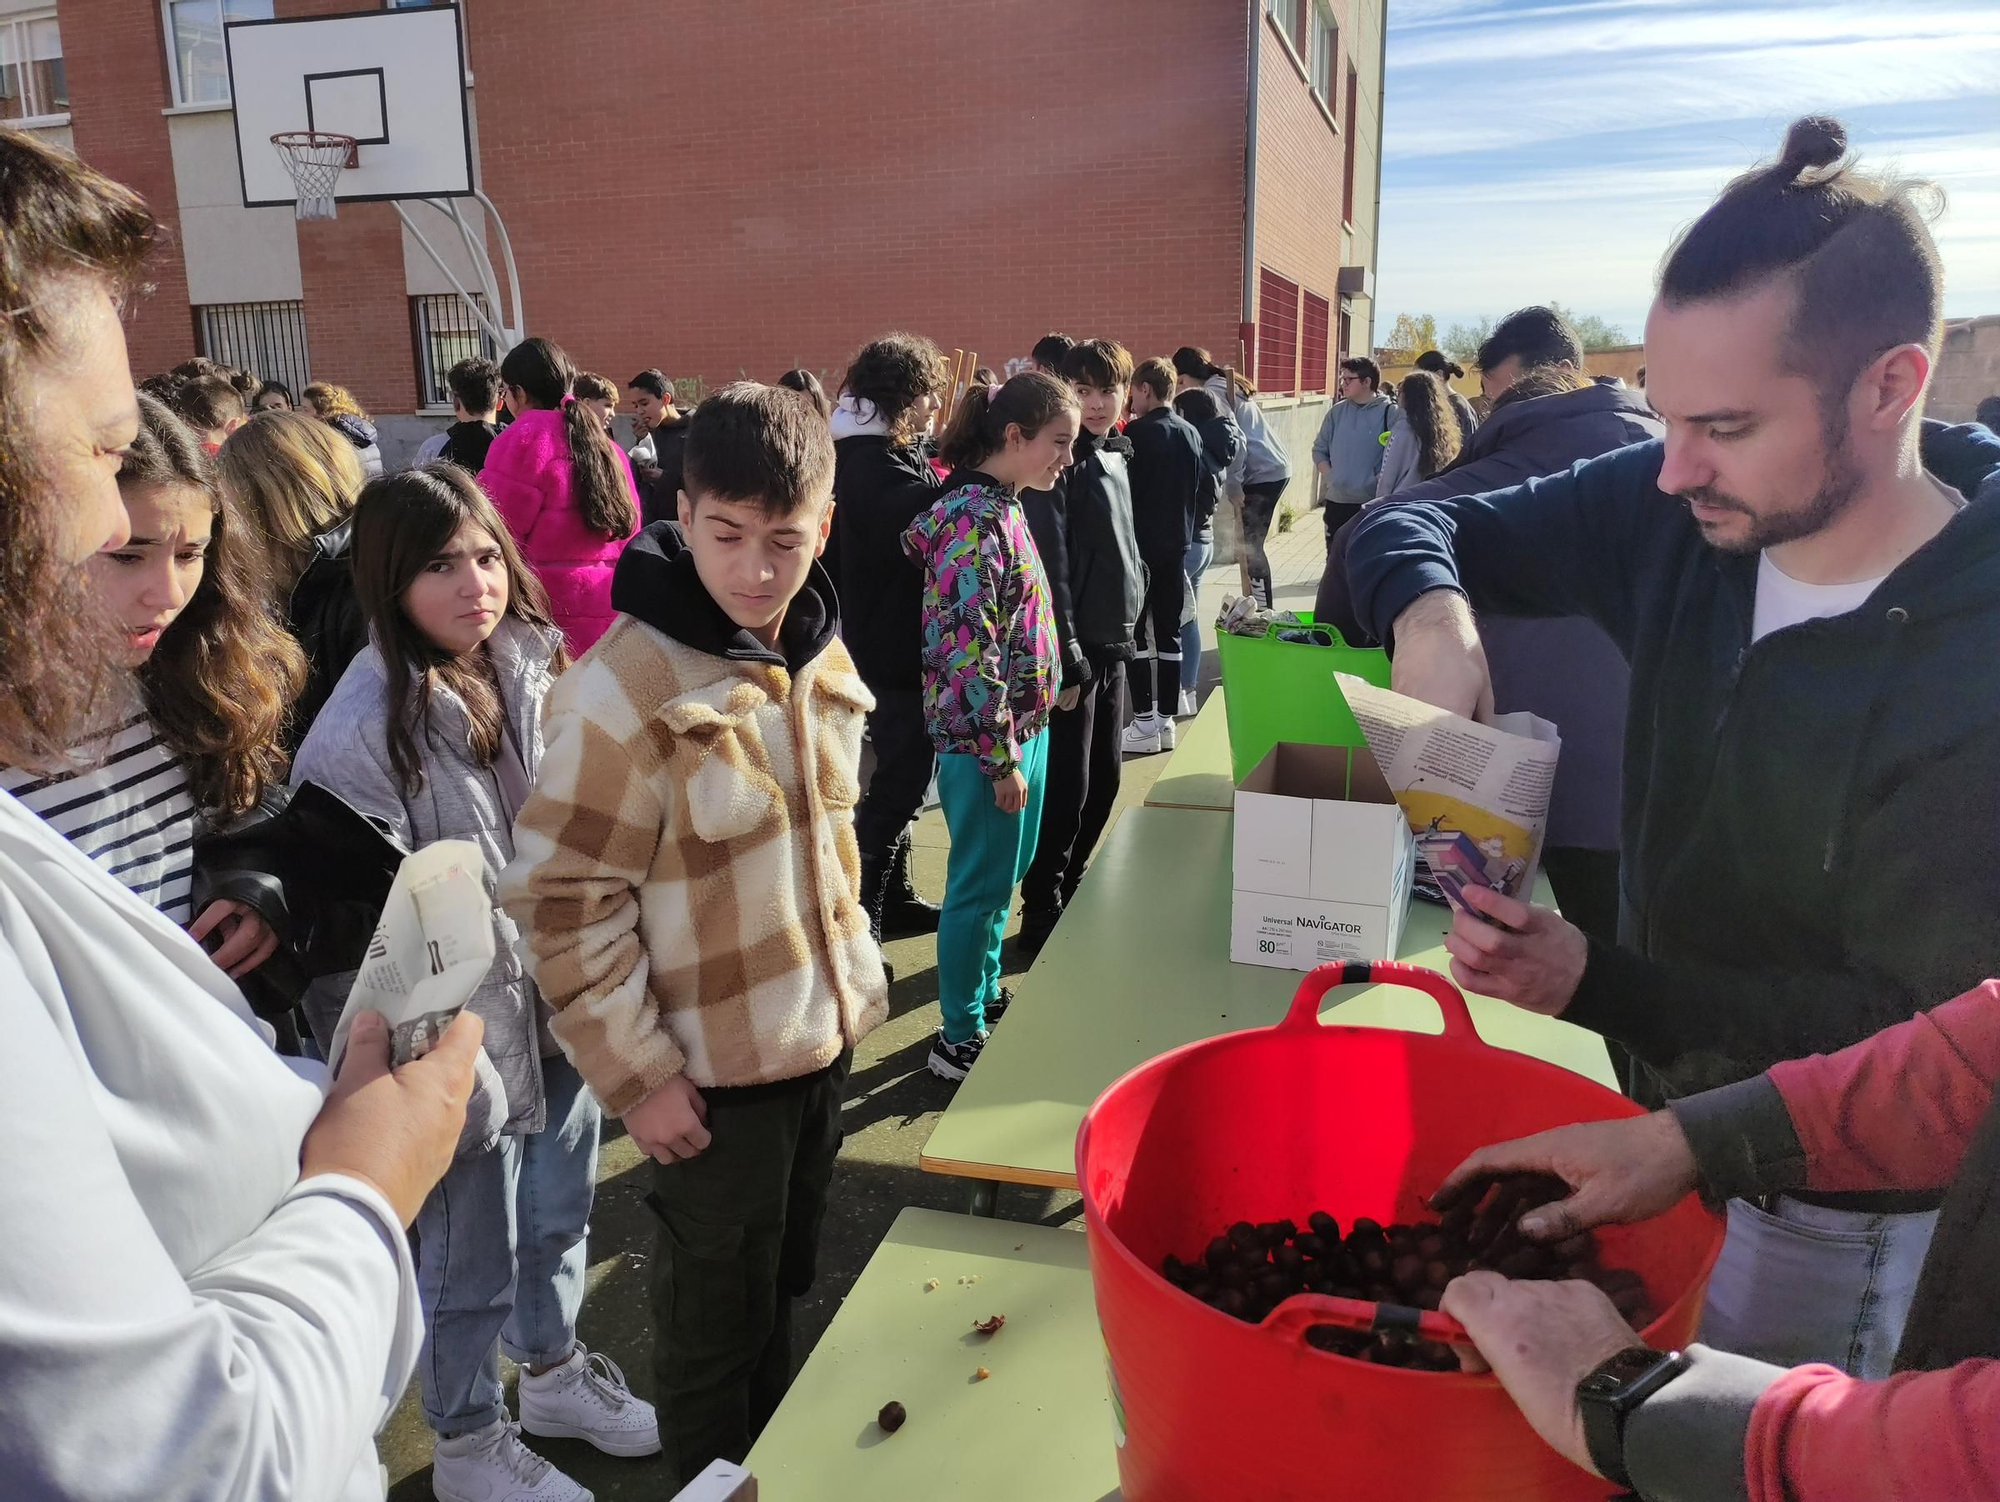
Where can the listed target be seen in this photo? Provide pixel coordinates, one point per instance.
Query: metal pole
(507, 255)
(488, 324)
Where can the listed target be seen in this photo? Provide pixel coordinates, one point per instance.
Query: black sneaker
(954, 1061)
(997, 1007)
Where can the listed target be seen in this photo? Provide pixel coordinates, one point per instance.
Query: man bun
(1813, 141)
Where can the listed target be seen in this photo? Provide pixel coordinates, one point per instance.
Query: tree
(1595, 332)
(1412, 335)
(1462, 340)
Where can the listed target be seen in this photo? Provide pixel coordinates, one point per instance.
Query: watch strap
(1607, 1397)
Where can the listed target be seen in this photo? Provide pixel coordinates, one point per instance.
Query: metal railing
(445, 333)
(266, 338)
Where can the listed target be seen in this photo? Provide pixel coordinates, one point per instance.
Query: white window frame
(39, 120)
(1322, 29)
(174, 81)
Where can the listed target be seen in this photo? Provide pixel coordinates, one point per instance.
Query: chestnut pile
(1250, 1269)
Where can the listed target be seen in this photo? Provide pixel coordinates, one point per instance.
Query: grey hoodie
(1350, 443)
(347, 752)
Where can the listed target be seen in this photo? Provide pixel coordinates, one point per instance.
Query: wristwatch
(1607, 1397)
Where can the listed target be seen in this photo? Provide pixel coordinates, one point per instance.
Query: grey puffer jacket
(347, 752)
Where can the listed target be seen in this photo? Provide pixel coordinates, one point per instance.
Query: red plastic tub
(1276, 1123)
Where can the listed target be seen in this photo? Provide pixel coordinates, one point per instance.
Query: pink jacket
(532, 483)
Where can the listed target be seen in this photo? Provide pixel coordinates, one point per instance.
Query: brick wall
(1300, 160)
(980, 174)
(117, 78)
(1968, 368)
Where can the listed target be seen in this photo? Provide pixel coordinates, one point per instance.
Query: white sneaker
(586, 1398)
(1142, 737)
(1189, 705)
(492, 1465)
(1169, 736)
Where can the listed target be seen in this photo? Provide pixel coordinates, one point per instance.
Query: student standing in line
(475, 398)
(295, 481)
(1425, 441)
(598, 396)
(272, 396)
(807, 385)
(336, 407)
(437, 730)
(990, 671)
(213, 677)
(882, 482)
(1107, 597)
(1448, 371)
(212, 406)
(1261, 471)
(656, 457)
(1353, 438)
(688, 883)
(1168, 469)
(1221, 440)
(563, 487)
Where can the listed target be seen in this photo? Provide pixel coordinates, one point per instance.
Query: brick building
(724, 188)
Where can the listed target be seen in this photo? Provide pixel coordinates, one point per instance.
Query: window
(1323, 49)
(446, 332)
(266, 338)
(197, 64)
(1314, 330)
(1277, 333)
(1347, 168)
(1346, 347)
(1290, 16)
(33, 85)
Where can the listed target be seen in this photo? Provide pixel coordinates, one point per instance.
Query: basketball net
(315, 159)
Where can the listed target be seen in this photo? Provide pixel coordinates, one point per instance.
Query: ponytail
(1030, 401)
(1192, 360)
(544, 373)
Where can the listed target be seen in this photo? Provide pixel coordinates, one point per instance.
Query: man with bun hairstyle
(1807, 587)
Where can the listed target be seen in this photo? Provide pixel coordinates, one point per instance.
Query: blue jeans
(500, 1257)
(1195, 563)
(990, 851)
(1803, 1283)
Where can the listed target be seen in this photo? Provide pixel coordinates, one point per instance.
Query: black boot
(901, 912)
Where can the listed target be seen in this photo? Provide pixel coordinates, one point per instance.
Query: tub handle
(1303, 1311)
(1304, 1011)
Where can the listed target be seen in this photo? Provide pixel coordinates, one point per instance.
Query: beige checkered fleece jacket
(686, 871)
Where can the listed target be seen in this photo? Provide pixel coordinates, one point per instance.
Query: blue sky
(1539, 149)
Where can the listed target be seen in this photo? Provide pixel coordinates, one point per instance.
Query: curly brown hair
(58, 219)
(1429, 413)
(895, 372)
(222, 680)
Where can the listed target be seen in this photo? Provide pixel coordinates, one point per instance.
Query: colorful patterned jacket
(989, 639)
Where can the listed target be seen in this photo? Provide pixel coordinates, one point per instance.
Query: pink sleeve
(1817, 1432)
(1896, 1111)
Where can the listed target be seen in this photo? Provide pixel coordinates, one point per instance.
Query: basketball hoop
(315, 159)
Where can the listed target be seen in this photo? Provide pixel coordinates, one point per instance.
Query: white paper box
(1322, 860)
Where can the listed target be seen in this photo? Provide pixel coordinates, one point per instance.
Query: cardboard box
(1322, 861)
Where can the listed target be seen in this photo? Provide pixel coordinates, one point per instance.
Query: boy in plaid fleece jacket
(687, 877)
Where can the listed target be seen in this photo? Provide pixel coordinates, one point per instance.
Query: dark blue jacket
(1167, 469)
(1809, 836)
(1567, 671)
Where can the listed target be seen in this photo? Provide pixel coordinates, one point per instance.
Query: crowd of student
(245, 671)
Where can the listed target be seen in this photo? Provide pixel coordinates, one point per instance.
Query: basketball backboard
(392, 79)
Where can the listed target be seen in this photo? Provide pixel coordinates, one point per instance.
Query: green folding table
(1197, 773)
(1140, 964)
(1038, 1426)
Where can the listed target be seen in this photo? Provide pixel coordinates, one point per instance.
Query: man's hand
(1070, 697)
(247, 940)
(394, 1129)
(1541, 1339)
(1439, 658)
(1323, 466)
(1527, 955)
(671, 1123)
(1010, 793)
(1618, 1172)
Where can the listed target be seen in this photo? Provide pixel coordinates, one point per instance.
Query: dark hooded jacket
(879, 489)
(327, 620)
(1807, 848)
(1107, 580)
(656, 582)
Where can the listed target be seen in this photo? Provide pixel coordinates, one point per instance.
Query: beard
(1840, 483)
(58, 651)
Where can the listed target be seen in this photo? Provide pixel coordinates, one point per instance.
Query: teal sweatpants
(989, 852)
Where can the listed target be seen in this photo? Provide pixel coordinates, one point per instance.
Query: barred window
(268, 339)
(446, 332)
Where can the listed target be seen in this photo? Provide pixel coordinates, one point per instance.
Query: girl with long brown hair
(1426, 437)
(563, 487)
(436, 729)
(212, 676)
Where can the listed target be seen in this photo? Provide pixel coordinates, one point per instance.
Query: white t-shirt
(1783, 601)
